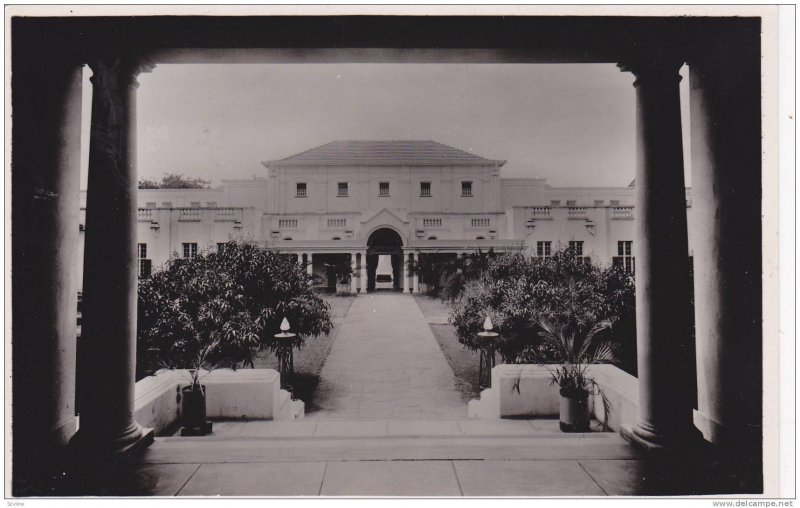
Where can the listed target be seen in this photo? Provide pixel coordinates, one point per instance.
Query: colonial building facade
(353, 201)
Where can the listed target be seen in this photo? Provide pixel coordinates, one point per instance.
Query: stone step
(288, 409)
(543, 446)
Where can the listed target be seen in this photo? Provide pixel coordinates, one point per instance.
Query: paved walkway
(386, 363)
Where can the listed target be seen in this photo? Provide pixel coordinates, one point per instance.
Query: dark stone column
(662, 265)
(108, 349)
(726, 192)
(45, 174)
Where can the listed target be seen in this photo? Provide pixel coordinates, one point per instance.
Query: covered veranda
(47, 59)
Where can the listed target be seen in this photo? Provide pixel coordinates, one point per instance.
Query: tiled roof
(384, 153)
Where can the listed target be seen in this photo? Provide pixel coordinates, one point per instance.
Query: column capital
(653, 69)
(119, 70)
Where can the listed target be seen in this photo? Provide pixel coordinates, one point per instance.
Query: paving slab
(358, 428)
(617, 477)
(496, 427)
(423, 428)
(525, 478)
(399, 478)
(152, 480)
(292, 479)
(386, 363)
(301, 428)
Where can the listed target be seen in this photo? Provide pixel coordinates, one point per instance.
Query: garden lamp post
(284, 341)
(487, 341)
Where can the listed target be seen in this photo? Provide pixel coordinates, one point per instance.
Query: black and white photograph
(398, 252)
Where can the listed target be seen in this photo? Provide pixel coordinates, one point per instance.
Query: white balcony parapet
(225, 214)
(144, 214)
(622, 212)
(189, 214)
(540, 212)
(577, 212)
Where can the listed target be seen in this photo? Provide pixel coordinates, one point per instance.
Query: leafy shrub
(518, 292)
(218, 309)
(446, 276)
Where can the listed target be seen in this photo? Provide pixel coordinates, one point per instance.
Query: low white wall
(242, 394)
(526, 391)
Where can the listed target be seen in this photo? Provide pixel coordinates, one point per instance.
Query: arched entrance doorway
(384, 242)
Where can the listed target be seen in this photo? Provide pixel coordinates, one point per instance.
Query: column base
(406, 291)
(653, 441)
(88, 447)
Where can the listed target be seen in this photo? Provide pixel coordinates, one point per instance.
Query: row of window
(343, 189)
(624, 258)
(192, 204)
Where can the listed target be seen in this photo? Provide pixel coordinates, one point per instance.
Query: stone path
(386, 363)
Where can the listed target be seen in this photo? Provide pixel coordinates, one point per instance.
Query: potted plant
(217, 310)
(343, 271)
(577, 349)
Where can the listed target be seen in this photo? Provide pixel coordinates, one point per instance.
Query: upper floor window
(301, 190)
(576, 247)
(189, 250)
(480, 222)
(571, 202)
(166, 204)
(383, 189)
(624, 258)
(337, 223)
(425, 189)
(194, 204)
(151, 204)
(343, 189)
(144, 265)
(211, 204)
(466, 188)
(615, 202)
(543, 249)
(555, 202)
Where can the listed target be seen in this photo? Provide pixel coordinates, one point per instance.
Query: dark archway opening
(385, 242)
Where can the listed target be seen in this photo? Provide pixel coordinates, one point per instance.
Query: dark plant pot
(343, 289)
(574, 412)
(193, 411)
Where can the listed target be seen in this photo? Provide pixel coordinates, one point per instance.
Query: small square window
(466, 188)
(543, 249)
(555, 202)
(383, 189)
(194, 204)
(576, 247)
(571, 202)
(211, 204)
(189, 250)
(301, 190)
(151, 204)
(425, 189)
(343, 189)
(166, 204)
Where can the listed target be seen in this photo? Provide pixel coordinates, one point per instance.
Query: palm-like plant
(576, 348)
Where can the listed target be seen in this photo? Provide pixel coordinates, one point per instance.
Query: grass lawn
(463, 361)
(308, 361)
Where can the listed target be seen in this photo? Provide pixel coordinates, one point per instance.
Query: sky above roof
(573, 124)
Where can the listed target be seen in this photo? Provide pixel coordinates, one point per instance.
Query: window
(555, 202)
(615, 202)
(432, 238)
(480, 223)
(571, 202)
(337, 223)
(480, 238)
(143, 265)
(221, 246)
(211, 204)
(166, 204)
(189, 250)
(195, 204)
(301, 190)
(383, 189)
(432, 223)
(624, 258)
(599, 202)
(151, 204)
(343, 187)
(576, 247)
(543, 249)
(466, 188)
(425, 189)
(287, 223)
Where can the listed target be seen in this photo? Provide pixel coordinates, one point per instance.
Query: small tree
(218, 309)
(174, 181)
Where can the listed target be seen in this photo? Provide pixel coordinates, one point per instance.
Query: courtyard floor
(386, 363)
